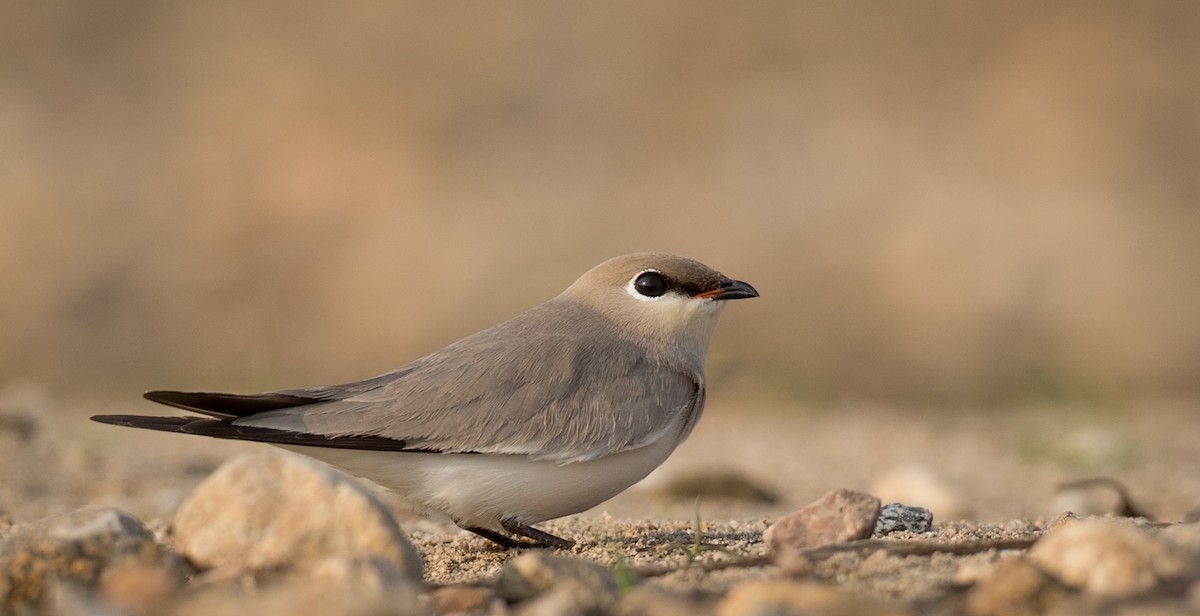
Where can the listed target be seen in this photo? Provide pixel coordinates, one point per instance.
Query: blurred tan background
(941, 202)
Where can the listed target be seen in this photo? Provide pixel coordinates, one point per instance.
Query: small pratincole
(542, 416)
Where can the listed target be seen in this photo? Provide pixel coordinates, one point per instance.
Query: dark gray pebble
(895, 517)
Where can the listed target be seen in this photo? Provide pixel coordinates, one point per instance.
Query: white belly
(478, 490)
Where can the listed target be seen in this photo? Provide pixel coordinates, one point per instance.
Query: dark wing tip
(162, 396)
(225, 429)
(221, 405)
(165, 424)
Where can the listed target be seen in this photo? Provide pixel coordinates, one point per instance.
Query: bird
(542, 416)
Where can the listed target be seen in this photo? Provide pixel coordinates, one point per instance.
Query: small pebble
(895, 517)
(841, 515)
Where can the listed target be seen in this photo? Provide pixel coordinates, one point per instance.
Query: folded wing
(517, 388)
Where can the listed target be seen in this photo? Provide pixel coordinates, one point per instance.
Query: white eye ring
(649, 285)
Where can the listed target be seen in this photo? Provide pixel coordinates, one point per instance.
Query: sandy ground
(992, 473)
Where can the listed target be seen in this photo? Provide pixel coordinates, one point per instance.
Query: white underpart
(478, 490)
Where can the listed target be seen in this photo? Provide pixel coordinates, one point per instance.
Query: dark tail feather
(217, 428)
(227, 406)
(163, 424)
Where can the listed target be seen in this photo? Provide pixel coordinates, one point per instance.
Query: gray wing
(521, 387)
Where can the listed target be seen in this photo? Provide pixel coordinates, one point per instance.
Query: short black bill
(730, 289)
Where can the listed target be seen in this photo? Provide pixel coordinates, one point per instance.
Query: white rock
(276, 509)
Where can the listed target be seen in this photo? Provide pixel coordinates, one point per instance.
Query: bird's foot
(540, 538)
(501, 539)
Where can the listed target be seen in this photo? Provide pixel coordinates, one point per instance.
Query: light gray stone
(276, 509)
(895, 517)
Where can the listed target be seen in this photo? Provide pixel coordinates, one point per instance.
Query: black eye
(650, 284)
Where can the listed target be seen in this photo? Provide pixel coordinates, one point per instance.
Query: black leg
(502, 540)
(542, 537)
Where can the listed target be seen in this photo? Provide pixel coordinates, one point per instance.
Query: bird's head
(659, 298)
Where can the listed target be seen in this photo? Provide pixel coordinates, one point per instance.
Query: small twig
(1125, 506)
